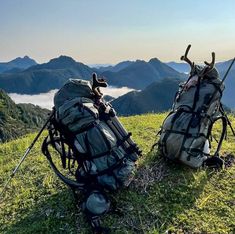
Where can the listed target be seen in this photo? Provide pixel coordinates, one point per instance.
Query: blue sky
(108, 31)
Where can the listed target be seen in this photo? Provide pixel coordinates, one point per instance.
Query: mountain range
(52, 75)
(140, 74)
(148, 77)
(17, 65)
(112, 68)
(180, 67)
(42, 78)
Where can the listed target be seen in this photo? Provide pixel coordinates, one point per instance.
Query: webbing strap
(224, 128)
(195, 100)
(69, 182)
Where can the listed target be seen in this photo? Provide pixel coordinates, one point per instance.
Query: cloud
(45, 100)
(115, 92)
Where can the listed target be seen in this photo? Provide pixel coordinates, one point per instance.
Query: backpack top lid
(73, 88)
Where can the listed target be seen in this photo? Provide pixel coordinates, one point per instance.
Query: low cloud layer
(115, 92)
(45, 100)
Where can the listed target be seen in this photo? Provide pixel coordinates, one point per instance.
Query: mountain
(114, 68)
(185, 68)
(52, 75)
(13, 70)
(140, 74)
(108, 98)
(44, 77)
(18, 119)
(154, 98)
(228, 94)
(180, 67)
(18, 63)
(223, 66)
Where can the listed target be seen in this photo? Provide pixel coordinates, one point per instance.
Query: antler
(97, 83)
(211, 65)
(185, 57)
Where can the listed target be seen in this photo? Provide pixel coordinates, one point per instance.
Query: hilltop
(162, 197)
(18, 119)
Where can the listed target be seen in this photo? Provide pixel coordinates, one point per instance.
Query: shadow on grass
(57, 214)
(158, 193)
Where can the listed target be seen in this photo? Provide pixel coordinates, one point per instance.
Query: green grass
(161, 198)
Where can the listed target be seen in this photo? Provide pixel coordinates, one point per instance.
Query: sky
(109, 31)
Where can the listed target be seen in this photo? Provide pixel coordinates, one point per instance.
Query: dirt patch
(229, 160)
(149, 174)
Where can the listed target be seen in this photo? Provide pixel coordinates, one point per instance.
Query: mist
(45, 100)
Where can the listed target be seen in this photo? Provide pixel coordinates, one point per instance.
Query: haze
(108, 31)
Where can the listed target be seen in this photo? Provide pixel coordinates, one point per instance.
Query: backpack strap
(71, 183)
(223, 134)
(195, 100)
(222, 111)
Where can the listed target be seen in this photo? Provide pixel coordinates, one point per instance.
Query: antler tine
(185, 57)
(211, 65)
(98, 82)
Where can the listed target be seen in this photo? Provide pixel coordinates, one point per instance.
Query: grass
(163, 198)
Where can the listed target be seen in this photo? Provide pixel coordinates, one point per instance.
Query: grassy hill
(18, 119)
(161, 198)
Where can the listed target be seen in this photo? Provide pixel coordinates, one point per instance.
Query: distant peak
(154, 60)
(126, 61)
(22, 62)
(64, 58)
(61, 62)
(26, 57)
(140, 61)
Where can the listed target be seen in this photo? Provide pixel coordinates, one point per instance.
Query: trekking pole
(221, 107)
(222, 81)
(228, 121)
(225, 75)
(25, 154)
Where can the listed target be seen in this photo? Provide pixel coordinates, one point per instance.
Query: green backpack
(91, 143)
(185, 133)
